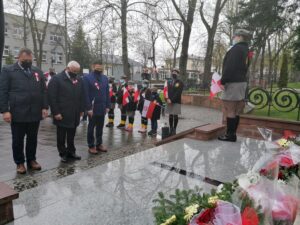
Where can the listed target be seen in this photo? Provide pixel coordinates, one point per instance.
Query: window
(38, 35)
(18, 32)
(55, 38)
(44, 58)
(6, 29)
(6, 50)
(56, 57)
(16, 52)
(59, 58)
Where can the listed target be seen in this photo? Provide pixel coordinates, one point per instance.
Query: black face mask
(26, 64)
(52, 73)
(98, 72)
(174, 76)
(72, 75)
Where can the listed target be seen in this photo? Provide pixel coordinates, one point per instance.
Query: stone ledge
(205, 132)
(209, 132)
(7, 195)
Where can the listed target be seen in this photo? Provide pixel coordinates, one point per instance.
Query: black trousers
(19, 131)
(98, 122)
(62, 135)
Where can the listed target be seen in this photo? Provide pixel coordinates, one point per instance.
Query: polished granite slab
(121, 192)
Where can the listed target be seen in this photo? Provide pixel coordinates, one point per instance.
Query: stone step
(7, 195)
(209, 131)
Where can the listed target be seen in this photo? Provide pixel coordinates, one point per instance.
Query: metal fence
(283, 100)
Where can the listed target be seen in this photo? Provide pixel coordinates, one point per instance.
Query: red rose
(286, 161)
(288, 134)
(250, 217)
(280, 175)
(205, 217)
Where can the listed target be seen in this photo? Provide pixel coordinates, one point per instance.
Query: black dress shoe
(110, 125)
(228, 137)
(121, 126)
(64, 159)
(74, 156)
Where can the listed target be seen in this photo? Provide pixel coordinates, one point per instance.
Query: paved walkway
(119, 142)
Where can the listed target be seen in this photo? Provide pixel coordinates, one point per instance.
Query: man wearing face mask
(175, 88)
(23, 103)
(96, 86)
(66, 99)
(235, 67)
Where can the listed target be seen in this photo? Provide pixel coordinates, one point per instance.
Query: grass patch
(295, 85)
(276, 114)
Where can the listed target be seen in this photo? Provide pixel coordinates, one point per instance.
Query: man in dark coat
(235, 67)
(96, 88)
(23, 103)
(66, 99)
(175, 88)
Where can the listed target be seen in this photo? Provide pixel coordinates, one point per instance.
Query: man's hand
(58, 117)
(45, 113)
(81, 114)
(169, 101)
(7, 117)
(222, 87)
(107, 110)
(90, 113)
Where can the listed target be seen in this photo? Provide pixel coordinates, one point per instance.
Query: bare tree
(187, 27)
(38, 29)
(211, 32)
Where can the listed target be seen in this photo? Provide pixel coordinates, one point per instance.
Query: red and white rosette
(97, 86)
(36, 75)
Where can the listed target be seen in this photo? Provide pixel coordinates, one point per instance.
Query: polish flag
(148, 109)
(166, 94)
(215, 87)
(111, 91)
(136, 93)
(125, 96)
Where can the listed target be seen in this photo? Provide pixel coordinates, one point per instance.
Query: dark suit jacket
(66, 97)
(22, 94)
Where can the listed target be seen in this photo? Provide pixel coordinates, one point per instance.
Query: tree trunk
(211, 31)
(66, 32)
(24, 24)
(125, 61)
(208, 59)
(187, 27)
(2, 26)
(253, 65)
(175, 58)
(271, 62)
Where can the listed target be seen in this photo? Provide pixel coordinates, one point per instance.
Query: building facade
(195, 68)
(53, 48)
(114, 67)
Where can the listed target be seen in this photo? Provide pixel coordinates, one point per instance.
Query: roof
(115, 59)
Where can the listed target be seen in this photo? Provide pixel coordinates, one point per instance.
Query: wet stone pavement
(122, 191)
(119, 142)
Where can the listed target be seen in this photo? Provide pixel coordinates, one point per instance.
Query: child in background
(144, 95)
(131, 106)
(122, 85)
(161, 95)
(156, 113)
(113, 99)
